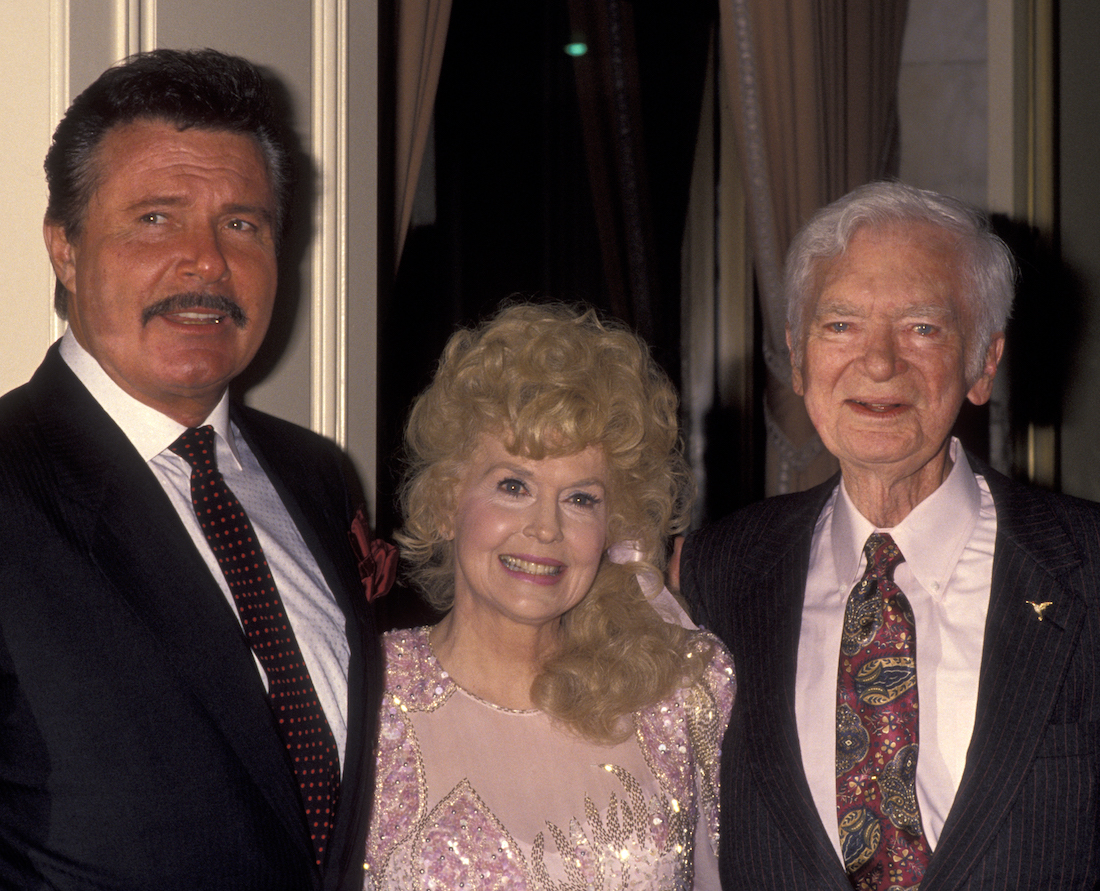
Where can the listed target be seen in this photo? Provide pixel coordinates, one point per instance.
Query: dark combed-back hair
(201, 89)
(551, 380)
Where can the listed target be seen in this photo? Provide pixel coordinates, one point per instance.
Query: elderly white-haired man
(917, 641)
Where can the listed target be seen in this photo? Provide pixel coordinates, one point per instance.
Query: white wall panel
(27, 54)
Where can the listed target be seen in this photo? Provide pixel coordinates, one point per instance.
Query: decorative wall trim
(328, 280)
(135, 27)
(147, 25)
(126, 37)
(1023, 184)
(1042, 444)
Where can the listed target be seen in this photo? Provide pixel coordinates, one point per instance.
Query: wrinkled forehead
(916, 262)
(148, 145)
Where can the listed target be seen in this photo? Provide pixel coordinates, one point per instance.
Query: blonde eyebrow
(516, 470)
(581, 484)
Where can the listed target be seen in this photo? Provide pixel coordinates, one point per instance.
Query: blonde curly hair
(552, 380)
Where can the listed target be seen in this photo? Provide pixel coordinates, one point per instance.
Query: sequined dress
(474, 796)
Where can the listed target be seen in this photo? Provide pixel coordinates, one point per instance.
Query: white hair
(986, 265)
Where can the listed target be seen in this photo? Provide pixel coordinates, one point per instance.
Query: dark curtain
(814, 86)
(554, 177)
(639, 90)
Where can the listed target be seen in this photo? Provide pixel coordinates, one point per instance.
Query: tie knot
(883, 555)
(196, 446)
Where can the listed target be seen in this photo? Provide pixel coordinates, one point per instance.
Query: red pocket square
(377, 559)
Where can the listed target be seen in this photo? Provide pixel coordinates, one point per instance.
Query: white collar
(150, 431)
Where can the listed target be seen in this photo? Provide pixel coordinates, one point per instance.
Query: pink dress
(474, 796)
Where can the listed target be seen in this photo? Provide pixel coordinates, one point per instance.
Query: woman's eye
(511, 487)
(583, 499)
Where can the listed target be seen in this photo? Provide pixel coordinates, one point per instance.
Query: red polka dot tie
(305, 731)
(881, 837)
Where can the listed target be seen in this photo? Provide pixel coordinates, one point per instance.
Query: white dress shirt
(317, 620)
(947, 541)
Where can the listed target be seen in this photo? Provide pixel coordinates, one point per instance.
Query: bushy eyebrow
(254, 210)
(933, 311)
(838, 308)
(154, 201)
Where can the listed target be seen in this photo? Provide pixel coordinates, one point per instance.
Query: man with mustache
(189, 675)
(916, 640)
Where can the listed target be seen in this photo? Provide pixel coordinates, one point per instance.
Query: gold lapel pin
(1041, 608)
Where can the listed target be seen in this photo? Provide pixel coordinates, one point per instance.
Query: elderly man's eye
(924, 329)
(838, 327)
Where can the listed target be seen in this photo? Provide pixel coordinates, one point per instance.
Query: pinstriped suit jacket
(1027, 811)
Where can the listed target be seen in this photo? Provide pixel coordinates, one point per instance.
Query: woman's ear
(447, 506)
(447, 511)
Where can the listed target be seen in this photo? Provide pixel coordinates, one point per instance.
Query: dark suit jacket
(137, 748)
(1027, 811)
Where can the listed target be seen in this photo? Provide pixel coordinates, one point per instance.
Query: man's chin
(875, 449)
(193, 384)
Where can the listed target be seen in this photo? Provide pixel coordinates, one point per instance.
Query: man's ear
(982, 388)
(796, 371)
(61, 254)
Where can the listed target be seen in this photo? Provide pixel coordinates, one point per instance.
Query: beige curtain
(421, 36)
(814, 89)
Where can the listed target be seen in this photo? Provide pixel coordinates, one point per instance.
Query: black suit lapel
(1023, 663)
(320, 509)
(114, 503)
(766, 688)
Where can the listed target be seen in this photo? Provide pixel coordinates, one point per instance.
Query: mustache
(195, 300)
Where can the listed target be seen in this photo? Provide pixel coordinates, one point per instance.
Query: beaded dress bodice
(471, 795)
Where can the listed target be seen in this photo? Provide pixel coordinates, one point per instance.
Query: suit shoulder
(22, 454)
(723, 560)
(1058, 532)
(279, 430)
(1079, 518)
(15, 414)
(777, 519)
(1019, 504)
(285, 442)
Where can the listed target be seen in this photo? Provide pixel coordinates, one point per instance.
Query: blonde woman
(553, 731)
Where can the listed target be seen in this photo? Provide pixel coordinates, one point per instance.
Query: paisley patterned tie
(881, 837)
(301, 720)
